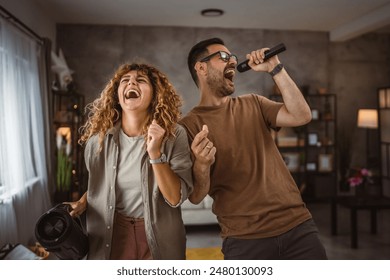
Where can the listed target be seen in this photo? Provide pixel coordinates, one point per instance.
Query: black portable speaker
(61, 234)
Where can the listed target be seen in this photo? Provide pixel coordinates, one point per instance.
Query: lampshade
(65, 132)
(368, 118)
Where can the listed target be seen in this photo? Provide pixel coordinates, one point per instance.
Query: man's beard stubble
(217, 83)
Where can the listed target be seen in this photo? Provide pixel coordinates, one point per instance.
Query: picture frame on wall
(292, 161)
(325, 162)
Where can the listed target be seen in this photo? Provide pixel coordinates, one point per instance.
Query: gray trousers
(299, 243)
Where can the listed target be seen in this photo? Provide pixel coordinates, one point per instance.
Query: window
(21, 121)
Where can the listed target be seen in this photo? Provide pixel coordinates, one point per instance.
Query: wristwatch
(277, 69)
(161, 159)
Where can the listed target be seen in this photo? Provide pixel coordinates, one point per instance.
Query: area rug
(210, 253)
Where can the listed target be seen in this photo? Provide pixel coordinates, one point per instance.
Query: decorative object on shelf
(327, 114)
(64, 160)
(288, 141)
(322, 90)
(60, 67)
(312, 139)
(326, 141)
(367, 119)
(292, 161)
(311, 166)
(315, 115)
(325, 162)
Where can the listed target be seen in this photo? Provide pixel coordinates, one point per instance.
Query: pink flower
(359, 176)
(365, 172)
(355, 181)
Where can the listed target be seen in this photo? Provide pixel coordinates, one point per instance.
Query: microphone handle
(243, 66)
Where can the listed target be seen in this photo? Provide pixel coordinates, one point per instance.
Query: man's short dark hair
(198, 51)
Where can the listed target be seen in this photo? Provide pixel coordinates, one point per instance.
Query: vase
(344, 186)
(361, 190)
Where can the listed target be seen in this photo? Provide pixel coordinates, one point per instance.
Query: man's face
(220, 72)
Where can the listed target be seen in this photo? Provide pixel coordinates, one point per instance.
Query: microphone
(243, 66)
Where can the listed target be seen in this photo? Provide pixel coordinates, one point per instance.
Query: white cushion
(198, 214)
(188, 205)
(208, 202)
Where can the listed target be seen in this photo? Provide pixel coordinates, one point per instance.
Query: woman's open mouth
(132, 94)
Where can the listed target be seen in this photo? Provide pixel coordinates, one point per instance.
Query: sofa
(199, 214)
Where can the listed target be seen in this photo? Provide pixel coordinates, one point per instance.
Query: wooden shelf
(313, 158)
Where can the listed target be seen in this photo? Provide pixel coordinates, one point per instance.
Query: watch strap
(277, 69)
(161, 159)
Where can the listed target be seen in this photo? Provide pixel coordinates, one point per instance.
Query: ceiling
(343, 19)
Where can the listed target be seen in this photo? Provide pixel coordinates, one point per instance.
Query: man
(236, 161)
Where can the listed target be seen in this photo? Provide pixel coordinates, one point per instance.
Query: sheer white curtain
(23, 176)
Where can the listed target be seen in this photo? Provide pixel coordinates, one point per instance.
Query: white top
(128, 187)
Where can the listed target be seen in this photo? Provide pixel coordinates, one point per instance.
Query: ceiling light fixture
(212, 12)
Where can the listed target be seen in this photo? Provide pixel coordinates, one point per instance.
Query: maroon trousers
(129, 239)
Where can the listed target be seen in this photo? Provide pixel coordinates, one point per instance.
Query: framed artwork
(312, 139)
(325, 162)
(292, 161)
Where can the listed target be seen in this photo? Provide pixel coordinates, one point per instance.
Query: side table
(371, 203)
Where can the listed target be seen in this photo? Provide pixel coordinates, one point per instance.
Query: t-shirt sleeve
(190, 125)
(269, 110)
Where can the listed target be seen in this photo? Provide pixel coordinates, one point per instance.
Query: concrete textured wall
(353, 70)
(94, 52)
(357, 68)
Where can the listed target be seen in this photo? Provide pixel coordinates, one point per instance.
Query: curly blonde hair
(105, 112)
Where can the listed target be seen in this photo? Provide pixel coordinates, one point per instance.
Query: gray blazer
(163, 222)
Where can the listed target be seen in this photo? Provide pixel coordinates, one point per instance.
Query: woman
(139, 166)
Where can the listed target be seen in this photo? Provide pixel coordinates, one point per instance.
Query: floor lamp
(368, 119)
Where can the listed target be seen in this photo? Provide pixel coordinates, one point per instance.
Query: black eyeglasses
(222, 54)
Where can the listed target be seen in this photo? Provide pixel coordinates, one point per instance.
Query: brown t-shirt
(254, 193)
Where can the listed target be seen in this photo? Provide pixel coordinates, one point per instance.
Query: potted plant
(64, 164)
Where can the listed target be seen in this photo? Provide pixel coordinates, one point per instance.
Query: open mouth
(229, 74)
(132, 94)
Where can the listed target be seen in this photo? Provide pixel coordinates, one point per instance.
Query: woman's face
(135, 92)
